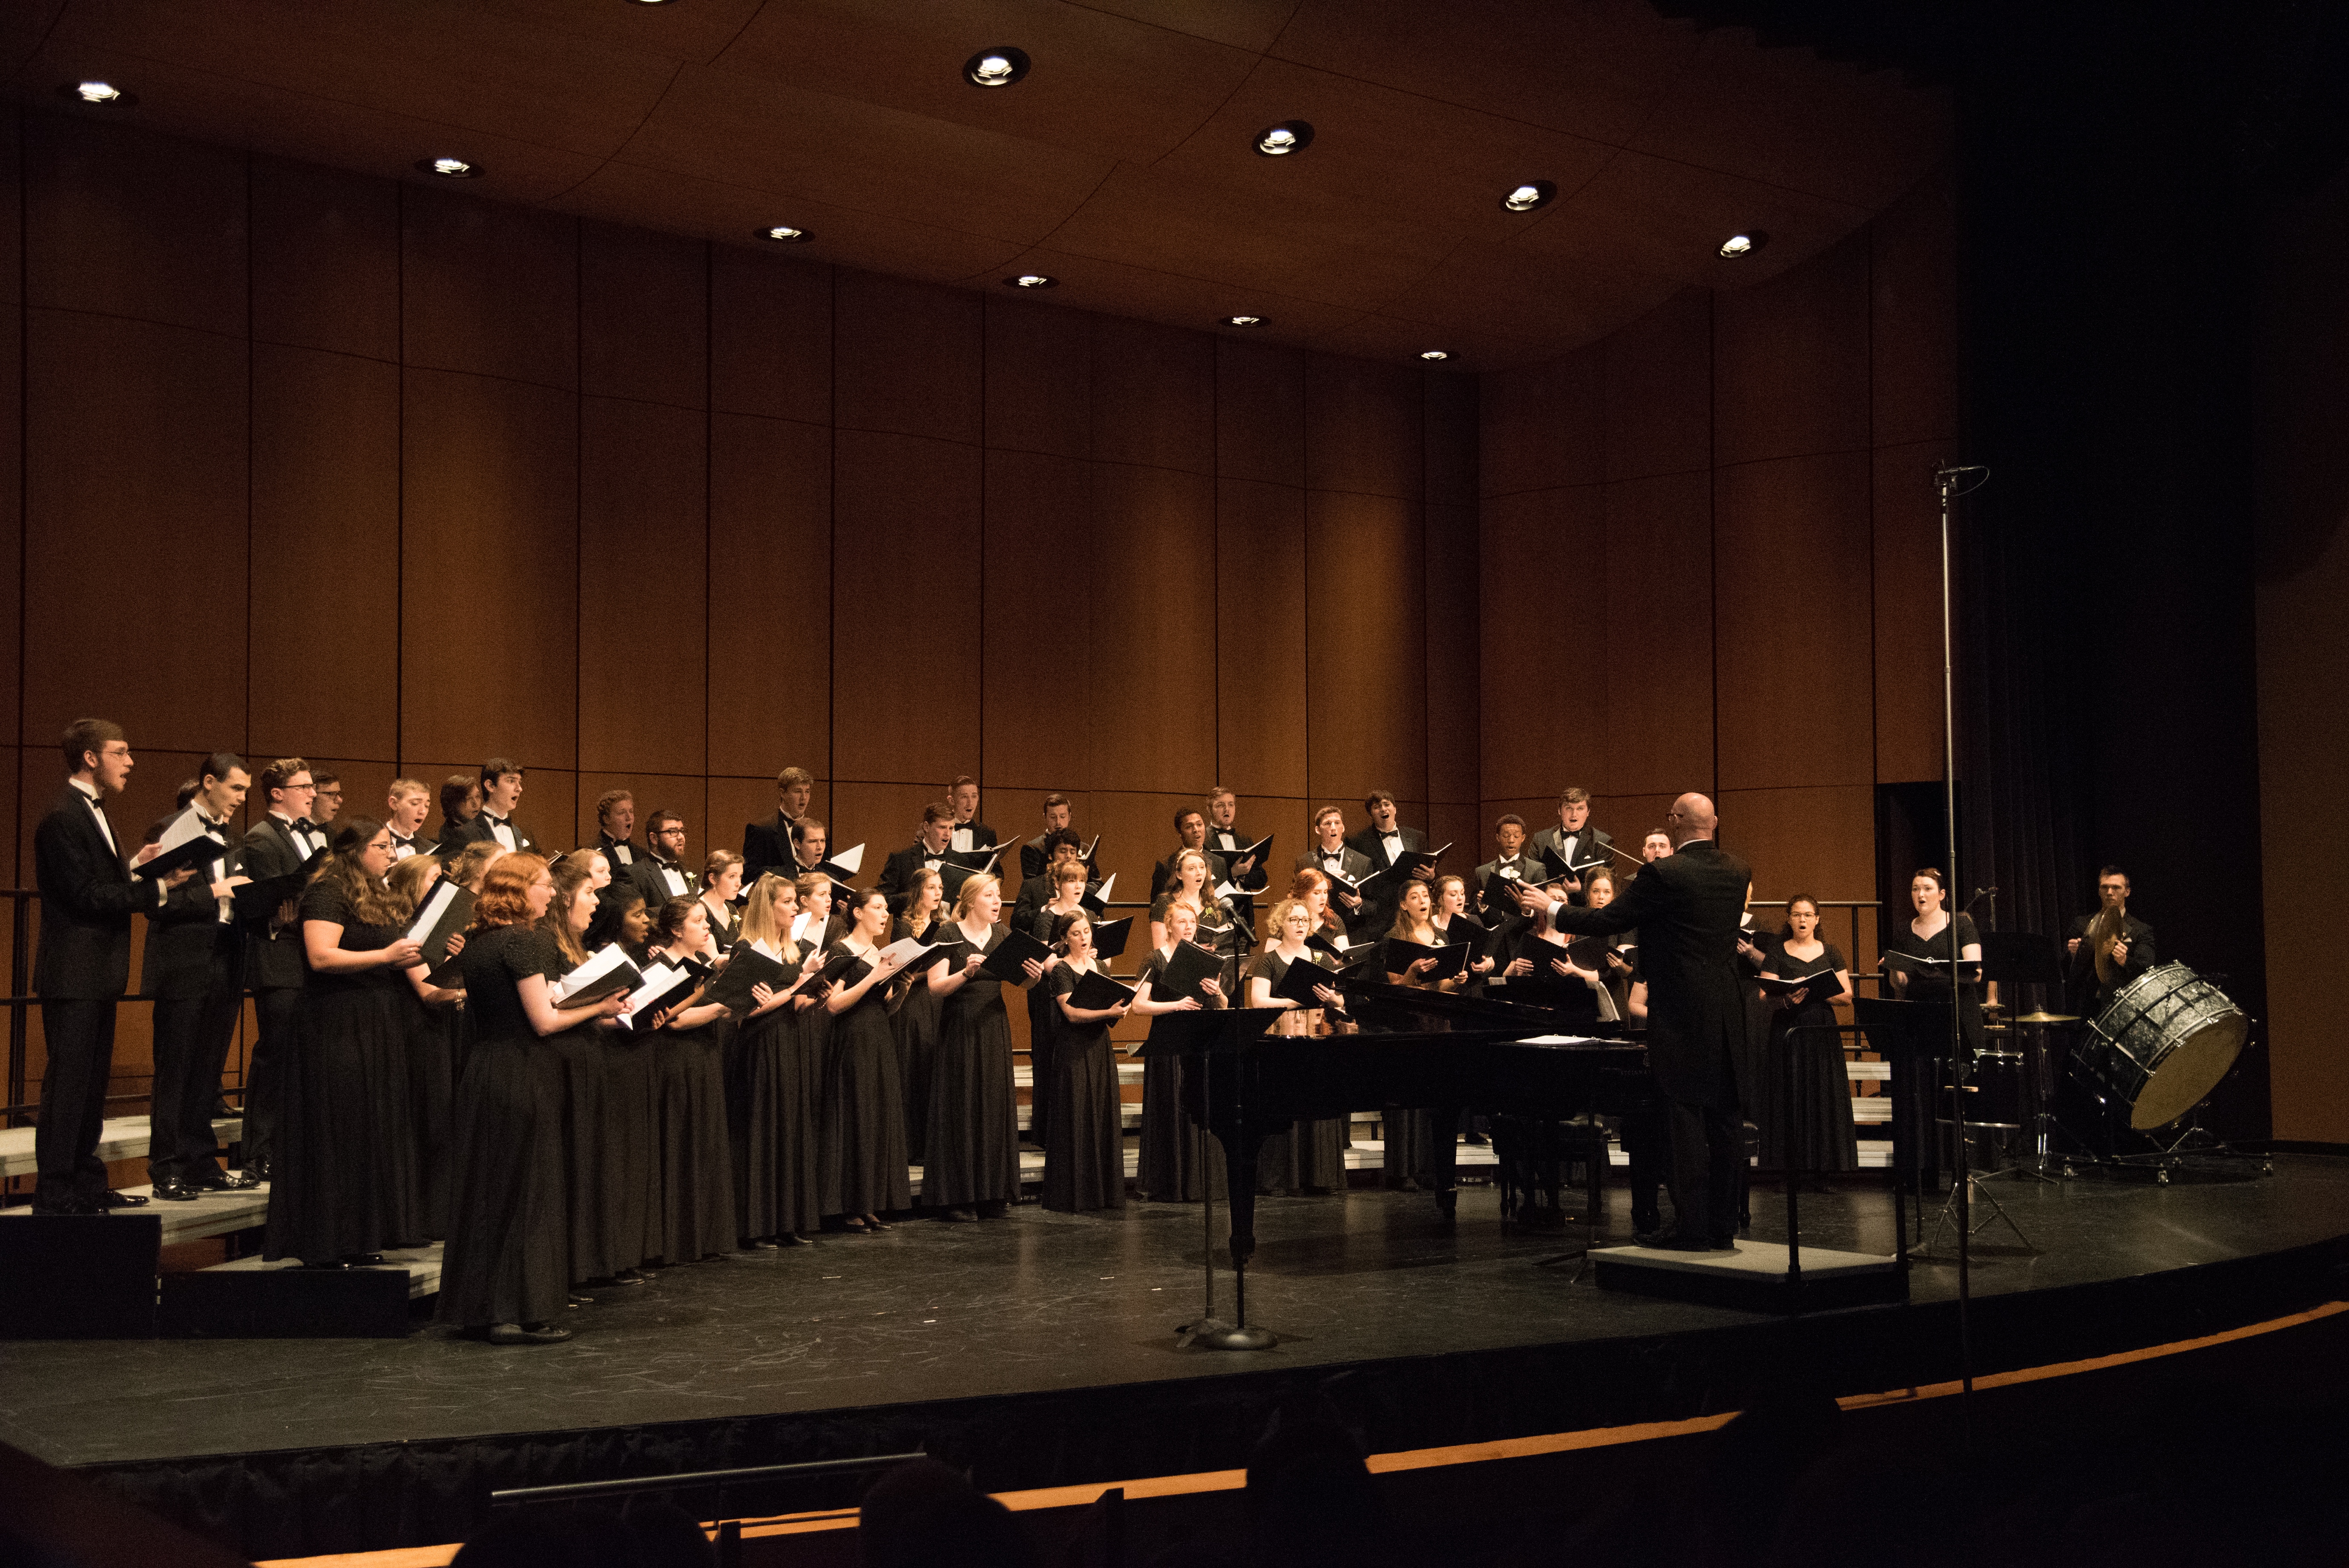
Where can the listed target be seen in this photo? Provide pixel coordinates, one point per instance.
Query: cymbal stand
(2043, 1093)
(1969, 1182)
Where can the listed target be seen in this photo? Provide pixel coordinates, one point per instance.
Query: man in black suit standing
(1510, 863)
(501, 792)
(2129, 955)
(929, 851)
(1226, 839)
(616, 835)
(405, 806)
(767, 846)
(1036, 855)
(1576, 841)
(276, 846)
(88, 896)
(661, 871)
(1333, 856)
(1382, 842)
(1687, 908)
(971, 836)
(1190, 832)
(194, 969)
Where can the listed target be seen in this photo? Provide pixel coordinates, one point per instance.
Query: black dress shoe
(361, 1260)
(257, 1169)
(1673, 1241)
(121, 1200)
(1647, 1223)
(224, 1182)
(175, 1192)
(631, 1277)
(328, 1263)
(526, 1333)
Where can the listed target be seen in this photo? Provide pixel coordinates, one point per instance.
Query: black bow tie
(303, 824)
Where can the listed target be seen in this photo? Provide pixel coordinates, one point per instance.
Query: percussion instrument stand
(1971, 1182)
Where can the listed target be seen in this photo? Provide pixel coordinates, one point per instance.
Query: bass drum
(2161, 1045)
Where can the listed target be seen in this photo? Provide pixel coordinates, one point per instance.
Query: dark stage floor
(1046, 1303)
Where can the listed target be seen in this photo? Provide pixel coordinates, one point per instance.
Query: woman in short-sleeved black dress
(1812, 1133)
(1171, 1166)
(1928, 937)
(861, 1127)
(915, 1025)
(970, 1162)
(345, 1181)
(1084, 1130)
(772, 1088)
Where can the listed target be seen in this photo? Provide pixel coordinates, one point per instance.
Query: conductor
(1687, 908)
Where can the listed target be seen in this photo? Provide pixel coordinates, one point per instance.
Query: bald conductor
(1687, 908)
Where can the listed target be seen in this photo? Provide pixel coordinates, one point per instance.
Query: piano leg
(1444, 1172)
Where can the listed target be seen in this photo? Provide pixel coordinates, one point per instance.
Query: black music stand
(1904, 1034)
(2026, 958)
(1198, 1038)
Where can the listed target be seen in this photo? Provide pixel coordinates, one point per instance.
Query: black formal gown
(916, 1027)
(971, 1150)
(1170, 1170)
(589, 1189)
(860, 1132)
(630, 1198)
(345, 1177)
(1924, 987)
(432, 1088)
(694, 1154)
(776, 1084)
(1415, 1133)
(1312, 1156)
(1043, 1034)
(1084, 1130)
(508, 1258)
(1814, 1131)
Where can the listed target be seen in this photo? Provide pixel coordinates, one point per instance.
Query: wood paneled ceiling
(1123, 165)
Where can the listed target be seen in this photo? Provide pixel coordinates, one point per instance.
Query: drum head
(2189, 1071)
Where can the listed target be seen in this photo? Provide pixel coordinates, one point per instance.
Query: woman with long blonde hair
(915, 1021)
(971, 1158)
(1312, 1156)
(1169, 1171)
(773, 1084)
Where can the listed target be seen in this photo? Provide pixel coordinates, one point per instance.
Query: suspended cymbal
(2049, 1018)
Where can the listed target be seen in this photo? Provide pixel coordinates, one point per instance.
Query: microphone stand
(1946, 481)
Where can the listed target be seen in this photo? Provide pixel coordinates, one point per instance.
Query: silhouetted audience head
(924, 1514)
(649, 1536)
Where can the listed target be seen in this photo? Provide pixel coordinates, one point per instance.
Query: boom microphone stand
(1946, 481)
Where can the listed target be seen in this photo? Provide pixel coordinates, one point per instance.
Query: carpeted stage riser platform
(369, 1497)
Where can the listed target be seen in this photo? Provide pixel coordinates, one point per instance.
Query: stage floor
(1041, 1303)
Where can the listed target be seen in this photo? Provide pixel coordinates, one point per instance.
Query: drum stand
(1973, 1183)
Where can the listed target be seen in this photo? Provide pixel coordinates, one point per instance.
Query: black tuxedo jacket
(480, 831)
(2080, 970)
(655, 887)
(767, 846)
(189, 951)
(88, 896)
(1589, 844)
(897, 875)
(275, 959)
(1258, 880)
(624, 866)
(982, 836)
(1378, 910)
(1354, 863)
(1687, 908)
(1526, 866)
(1031, 859)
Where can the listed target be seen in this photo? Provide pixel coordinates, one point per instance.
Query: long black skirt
(586, 1176)
(1043, 1040)
(345, 1178)
(696, 1157)
(431, 1082)
(630, 1199)
(509, 1257)
(863, 1138)
(1083, 1132)
(1308, 1157)
(1170, 1170)
(1815, 1130)
(772, 1101)
(971, 1150)
(915, 1027)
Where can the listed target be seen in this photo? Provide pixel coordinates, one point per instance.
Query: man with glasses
(88, 896)
(276, 845)
(325, 803)
(661, 872)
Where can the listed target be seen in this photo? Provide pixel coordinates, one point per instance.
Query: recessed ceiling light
(450, 168)
(1533, 193)
(1243, 320)
(102, 94)
(785, 234)
(1433, 354)
(1744, 245)
(1280, 140)
(996, 68)
(1034, 280)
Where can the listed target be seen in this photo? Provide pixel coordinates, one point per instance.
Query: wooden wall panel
(1362, 431)
(644, 316)
(1448, 414)
(1038, 379)
(770, 596)
(1040, 571)
(1906, 598)
(122, 223)
(883, 817)
(1627, 816)
(1914, 316)
(1545, 425)
(770, 348)
(1262, 714)
(1792, 613)
(1153, 396)
(1659, 394)
(1817, 840)
(734, 803)
(1137, 831)
(1791, 361)
(365, 782)
(906, 357)
(906, 674)
(550, 808)
(1532, 728)
(489, 289)
(489, 569)
(646, 584)
(1453, 654)
(1152, 629)
(1366, 663)
(1259, 412)
(137, 438)
(324, 629)
(325, 259)
(1658, 621)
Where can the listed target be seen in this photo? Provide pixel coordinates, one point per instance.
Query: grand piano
(1418, 1049)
